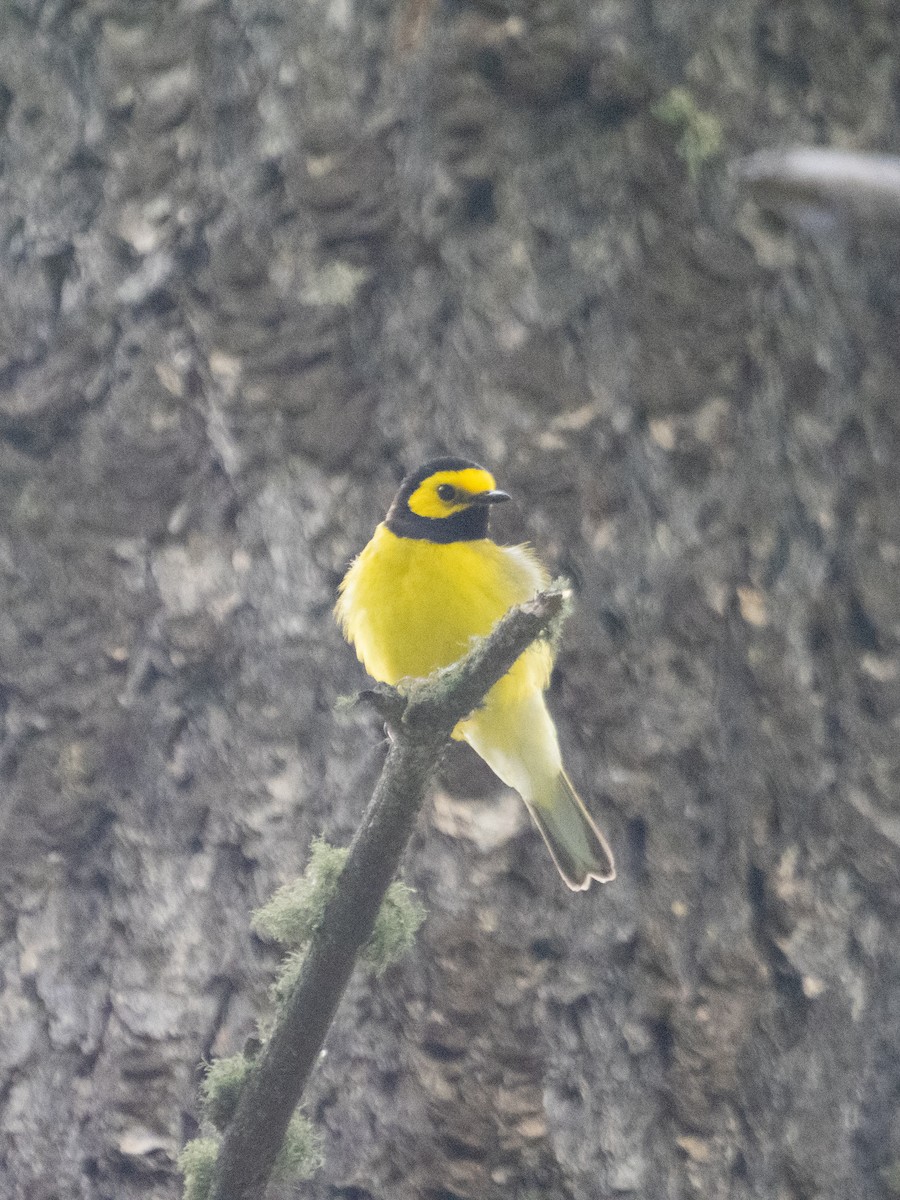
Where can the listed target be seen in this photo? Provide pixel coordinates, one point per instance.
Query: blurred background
(260, 257)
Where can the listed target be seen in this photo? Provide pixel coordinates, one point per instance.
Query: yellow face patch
(427, 501)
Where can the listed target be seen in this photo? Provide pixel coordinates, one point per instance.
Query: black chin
(468, 525)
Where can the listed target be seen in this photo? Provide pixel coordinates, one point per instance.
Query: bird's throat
(469, 525)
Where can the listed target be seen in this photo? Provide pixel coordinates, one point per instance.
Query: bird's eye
(446, 491)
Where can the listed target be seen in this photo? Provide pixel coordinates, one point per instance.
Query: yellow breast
(410, 606)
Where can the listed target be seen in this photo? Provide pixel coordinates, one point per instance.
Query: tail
(579, 849)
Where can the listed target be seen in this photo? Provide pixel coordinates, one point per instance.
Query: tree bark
(260, 257)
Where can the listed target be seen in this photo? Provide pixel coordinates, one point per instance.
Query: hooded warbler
(429, 581)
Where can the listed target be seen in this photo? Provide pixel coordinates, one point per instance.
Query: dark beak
(489, 497)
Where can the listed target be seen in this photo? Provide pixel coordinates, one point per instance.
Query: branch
(432, 708)
(866, 186)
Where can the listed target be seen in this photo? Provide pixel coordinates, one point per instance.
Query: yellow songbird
(429, 581)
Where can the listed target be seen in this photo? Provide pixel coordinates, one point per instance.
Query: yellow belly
(411, 606)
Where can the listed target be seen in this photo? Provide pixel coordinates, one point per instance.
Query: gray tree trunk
(255, 262)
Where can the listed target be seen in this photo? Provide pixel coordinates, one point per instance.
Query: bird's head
(445, 500)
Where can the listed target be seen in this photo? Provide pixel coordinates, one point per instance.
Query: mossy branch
(423, 719)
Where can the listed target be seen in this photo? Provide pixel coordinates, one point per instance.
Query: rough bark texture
(254, 263)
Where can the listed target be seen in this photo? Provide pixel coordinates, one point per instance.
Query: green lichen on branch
(292, 917)
(395, 929)
(699, 132)
(295, 912)
(285, 979)
(301, 1154)
(221, 1088)
(197, 1163)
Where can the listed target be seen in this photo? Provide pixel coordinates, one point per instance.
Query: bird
(429, 581)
